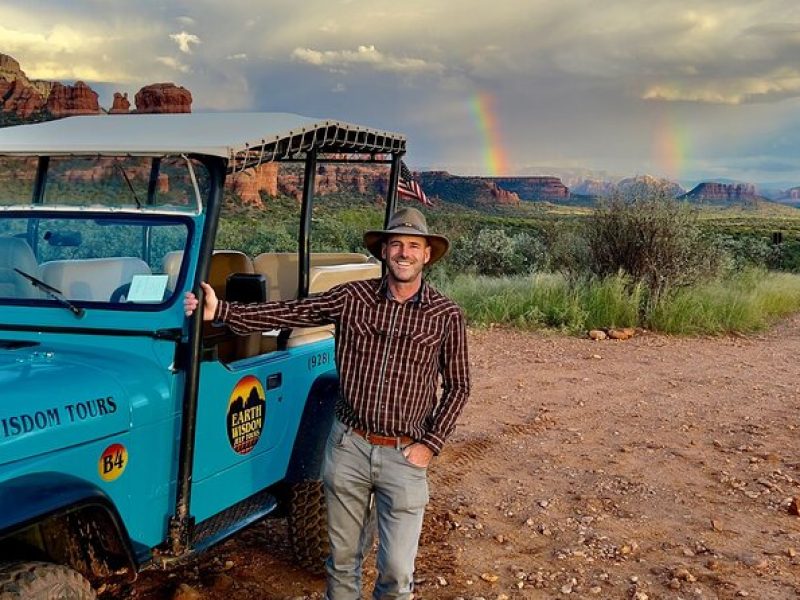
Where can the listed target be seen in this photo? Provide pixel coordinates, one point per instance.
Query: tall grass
(546, 300)
(746, 301)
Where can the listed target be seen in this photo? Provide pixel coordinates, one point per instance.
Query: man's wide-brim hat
(407, 221)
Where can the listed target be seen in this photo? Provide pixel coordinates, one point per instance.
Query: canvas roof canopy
(245, 139)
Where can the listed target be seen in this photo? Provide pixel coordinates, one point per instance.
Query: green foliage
(746, 301)
(494, 252)
(651, 237)
(547, 300)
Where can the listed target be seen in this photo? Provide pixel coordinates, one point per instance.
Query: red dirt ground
(653, 468)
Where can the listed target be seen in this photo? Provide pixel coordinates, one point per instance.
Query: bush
(494, 252)
(651, 237)
(745, 251)
(568, 251)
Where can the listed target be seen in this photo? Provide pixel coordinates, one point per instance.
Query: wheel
(308, 525)
(42, 581)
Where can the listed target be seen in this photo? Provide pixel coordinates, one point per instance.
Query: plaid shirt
(389, 355)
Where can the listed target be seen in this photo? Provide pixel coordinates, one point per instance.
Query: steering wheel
(121, 292)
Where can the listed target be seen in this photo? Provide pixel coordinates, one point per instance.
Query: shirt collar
(422, 296)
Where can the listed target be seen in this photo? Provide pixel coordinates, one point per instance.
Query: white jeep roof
(240, 137)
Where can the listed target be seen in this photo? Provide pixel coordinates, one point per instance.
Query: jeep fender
(315, 425)
(66, 509)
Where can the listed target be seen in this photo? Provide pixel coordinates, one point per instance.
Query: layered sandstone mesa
(503, 197)
(469, 191)
(250, 183)
(363, 179)
(533, 188)
(69, 100)
(723, 193)
(21, 99)
(163, 98)
(121, 105)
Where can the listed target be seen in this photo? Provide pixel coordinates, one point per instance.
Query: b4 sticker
(246, 408)
(112, 462)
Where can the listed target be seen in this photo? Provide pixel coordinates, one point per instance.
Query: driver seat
(15, 252)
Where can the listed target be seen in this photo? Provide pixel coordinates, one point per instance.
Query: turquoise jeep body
(129, 433)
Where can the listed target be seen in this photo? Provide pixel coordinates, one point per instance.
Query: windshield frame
(132, 215)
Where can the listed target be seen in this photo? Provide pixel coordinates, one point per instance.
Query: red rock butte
(28, 99)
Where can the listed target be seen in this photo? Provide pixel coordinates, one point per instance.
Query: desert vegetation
(638, 259)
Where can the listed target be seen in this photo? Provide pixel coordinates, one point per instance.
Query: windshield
(143, 182)
(123, 261)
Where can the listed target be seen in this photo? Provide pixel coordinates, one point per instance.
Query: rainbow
(671, 147)
(482, 105)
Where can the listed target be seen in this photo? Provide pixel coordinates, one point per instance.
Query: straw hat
(407, 221)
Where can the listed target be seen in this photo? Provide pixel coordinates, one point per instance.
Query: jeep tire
(42, 580)
(308, 529)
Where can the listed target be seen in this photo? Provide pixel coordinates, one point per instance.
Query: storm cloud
(676, 88)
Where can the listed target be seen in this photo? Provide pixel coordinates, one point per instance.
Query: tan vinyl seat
(280, 269)
(321, 279)
(171, 265)
(15, 252)
(94, 279)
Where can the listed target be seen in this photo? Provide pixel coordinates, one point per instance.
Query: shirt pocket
(420, 344)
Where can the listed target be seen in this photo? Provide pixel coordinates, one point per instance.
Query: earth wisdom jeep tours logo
(246, 409)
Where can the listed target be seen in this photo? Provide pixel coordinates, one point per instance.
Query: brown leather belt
(384, 440)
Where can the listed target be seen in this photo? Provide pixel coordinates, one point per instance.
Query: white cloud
(173, 63)
(237, 56)
(339, 88)
(364, 55)
(183, 40)
(781, 83)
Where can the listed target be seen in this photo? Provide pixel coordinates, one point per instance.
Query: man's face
(405, 256)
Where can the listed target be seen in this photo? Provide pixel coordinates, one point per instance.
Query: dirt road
(654, 468)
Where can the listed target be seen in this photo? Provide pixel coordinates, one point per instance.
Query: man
(396, 337)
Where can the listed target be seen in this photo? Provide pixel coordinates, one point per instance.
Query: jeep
(132, 436)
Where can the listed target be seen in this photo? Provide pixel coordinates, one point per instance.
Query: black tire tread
(33, 580)
(308, 525)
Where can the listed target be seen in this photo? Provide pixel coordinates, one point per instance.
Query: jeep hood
(53, 399)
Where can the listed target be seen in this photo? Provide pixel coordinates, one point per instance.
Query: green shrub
(494, 252)
(651, 237)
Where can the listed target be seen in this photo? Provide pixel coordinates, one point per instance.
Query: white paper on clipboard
(148, 288)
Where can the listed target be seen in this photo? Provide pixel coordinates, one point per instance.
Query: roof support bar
(304, 245)
(188, 354)
(391, 192)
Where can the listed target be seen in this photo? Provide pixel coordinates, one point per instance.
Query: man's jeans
(354, 470)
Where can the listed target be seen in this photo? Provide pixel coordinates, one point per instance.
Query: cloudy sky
(690, 90)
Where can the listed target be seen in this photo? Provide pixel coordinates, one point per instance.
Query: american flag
(408, 188)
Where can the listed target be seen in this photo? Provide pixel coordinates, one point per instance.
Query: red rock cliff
(121, 105)
(68, 100)
(163, 98)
